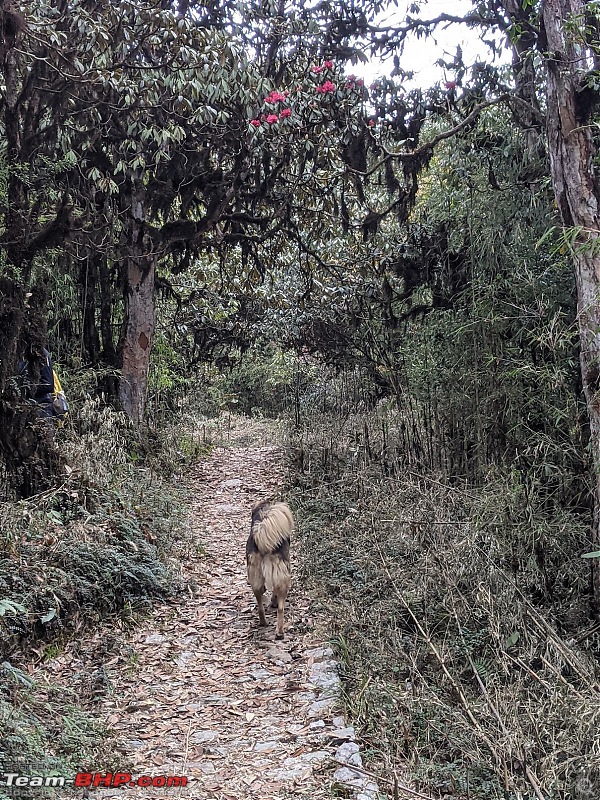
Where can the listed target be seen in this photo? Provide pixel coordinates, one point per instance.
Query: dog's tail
(273, 526)
(276, 573)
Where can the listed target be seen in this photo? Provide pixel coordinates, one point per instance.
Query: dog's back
(268, 556)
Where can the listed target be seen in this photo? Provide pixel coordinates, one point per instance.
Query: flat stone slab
(203, 736)
(340, 735)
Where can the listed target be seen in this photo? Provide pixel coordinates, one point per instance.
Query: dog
(268, 557)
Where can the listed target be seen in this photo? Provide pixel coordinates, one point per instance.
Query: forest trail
(199, 690)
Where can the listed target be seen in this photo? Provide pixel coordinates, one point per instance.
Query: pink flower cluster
(352, 82)
(326, 88)
(276, 97)
(272, 99)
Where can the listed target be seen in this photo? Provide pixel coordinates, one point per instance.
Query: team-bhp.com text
(92, 779)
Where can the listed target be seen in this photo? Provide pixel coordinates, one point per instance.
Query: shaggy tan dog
(268, 556)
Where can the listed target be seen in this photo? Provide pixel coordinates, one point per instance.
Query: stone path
(201, 691)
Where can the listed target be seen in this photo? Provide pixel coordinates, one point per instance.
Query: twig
(561, 678)
(445, 486)
(186, 753)
(545, 626)
(426, 521)
(530, 776)
(524, 666)
(428, 147)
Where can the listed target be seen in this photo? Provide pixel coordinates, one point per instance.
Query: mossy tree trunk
(572, 153)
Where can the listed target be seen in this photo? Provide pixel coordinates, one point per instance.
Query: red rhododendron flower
(317, 69)
(287, 112)
(275, 97)
(450, 84)
(360, 82)
(327, 87)
(272, 118)
(328, 64)
(255, 122)
(371, 123)
(373, 87)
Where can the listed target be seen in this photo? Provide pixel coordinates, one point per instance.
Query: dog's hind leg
(258, 593)
(280, 617)
(256, 578)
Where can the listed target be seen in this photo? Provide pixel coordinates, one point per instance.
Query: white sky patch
(420, 54)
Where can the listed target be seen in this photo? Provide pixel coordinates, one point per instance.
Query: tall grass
(460, 613)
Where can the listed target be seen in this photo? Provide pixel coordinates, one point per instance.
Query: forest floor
(198, 689)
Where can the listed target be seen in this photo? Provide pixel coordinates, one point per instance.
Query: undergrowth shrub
(109, 535)
(45, 732)
(105, 542)
(460, 613)
(262, 382)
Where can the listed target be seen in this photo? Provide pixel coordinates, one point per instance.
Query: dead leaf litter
(202, 691)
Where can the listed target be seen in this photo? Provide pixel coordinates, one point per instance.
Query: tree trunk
(15, 201)
(139, 269)
(88, 278)
(572, 151)
(105, 283)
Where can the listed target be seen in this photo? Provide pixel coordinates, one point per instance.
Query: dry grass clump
(231, 429)
(470, 662)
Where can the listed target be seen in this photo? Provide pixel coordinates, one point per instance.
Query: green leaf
(545, 237)
(16, 674)
(594, 554)
(50, 615)
(11, 607)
